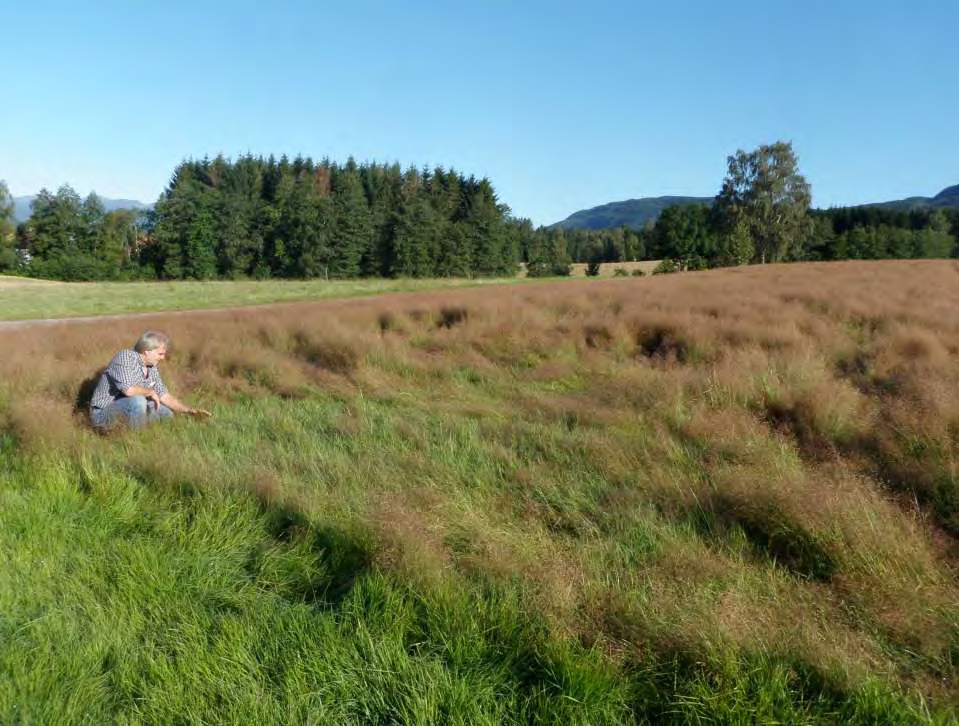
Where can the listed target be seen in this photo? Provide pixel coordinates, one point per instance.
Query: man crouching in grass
(131, 391)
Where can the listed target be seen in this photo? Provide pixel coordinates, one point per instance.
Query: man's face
(152, 357)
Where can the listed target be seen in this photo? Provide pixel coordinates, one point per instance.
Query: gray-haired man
(131, 391)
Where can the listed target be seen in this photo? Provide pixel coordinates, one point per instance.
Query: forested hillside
(632, 213)
(637, 213)
(948, 198)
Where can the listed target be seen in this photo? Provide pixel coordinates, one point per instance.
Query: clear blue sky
(563, 105)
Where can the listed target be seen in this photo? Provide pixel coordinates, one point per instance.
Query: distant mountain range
(947, 198)
(22, 210)
(634, 213)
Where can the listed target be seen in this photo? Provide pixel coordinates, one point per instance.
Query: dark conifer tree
(352, 230)
(240, 242)
(185, 233)
(484, 230)
(305, 223)
(383, 186)
(414, 231)
(453, 253)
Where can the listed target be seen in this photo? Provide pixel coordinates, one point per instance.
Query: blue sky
(563, 105)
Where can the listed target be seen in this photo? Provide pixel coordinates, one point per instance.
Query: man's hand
(199, 413)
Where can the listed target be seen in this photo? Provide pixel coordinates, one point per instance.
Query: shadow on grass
(485, 633)
(796, 419)
(772, 535)
(297, 558)
(81, 404)
(341, 556)
(915, 470)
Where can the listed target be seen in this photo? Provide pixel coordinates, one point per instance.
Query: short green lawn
(23, 299)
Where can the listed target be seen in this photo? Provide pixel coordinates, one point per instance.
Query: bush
(83, 267)
(74, 268)
(666, 267)
(8, 259)
(548, 269)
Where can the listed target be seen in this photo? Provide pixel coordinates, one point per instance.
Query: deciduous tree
(765, 189)
(8, 254)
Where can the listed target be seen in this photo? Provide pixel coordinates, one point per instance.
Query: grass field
(28, 299)
(23, 298)
(721, 497)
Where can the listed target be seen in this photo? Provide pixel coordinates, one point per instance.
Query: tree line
(265, 218)
(70, 239)
(762, 214)
(259, 217)
(279, 218)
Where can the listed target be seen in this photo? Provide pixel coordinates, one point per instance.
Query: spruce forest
(267, 218)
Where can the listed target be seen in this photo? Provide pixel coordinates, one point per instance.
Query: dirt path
(12, 324)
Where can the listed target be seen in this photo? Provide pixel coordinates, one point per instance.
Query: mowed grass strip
(623, 501)
(25, 299)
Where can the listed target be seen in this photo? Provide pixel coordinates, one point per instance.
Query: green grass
(30, 300)
(144, 587)
(125, 598)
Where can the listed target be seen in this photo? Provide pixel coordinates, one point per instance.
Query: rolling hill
(634, 213)
(947, 198)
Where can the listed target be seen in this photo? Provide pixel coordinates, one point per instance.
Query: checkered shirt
(125, 370)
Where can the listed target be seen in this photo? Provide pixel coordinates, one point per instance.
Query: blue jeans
(135, 411)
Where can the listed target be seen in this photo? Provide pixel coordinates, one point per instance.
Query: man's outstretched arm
(177, 406)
